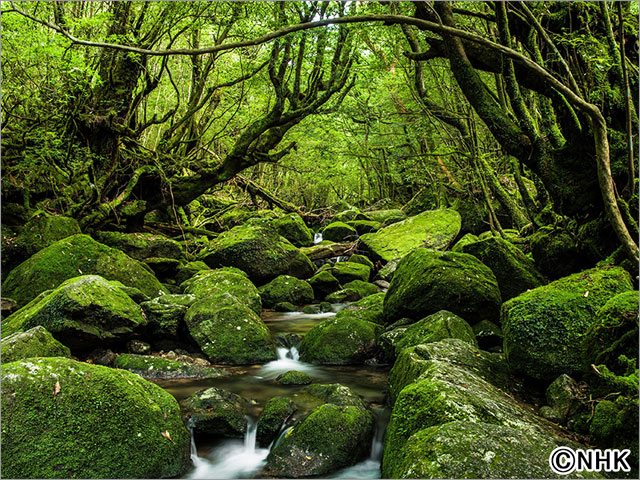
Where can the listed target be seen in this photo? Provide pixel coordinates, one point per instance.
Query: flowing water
(317, 238)
(235, 458)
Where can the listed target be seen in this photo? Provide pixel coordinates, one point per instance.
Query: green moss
(338, 232)
(284, 307)
(229, 332)
(275, 413)
(544, 327)
(433, 229)
(259, 251)
(324, 283)
(364, 289)
(286, 289)
(340, 341)
(156, 367)
(293, 228)
(369, 308)
(556, 253)
(514, 271)
(347, 215)
(66, 259)
(82, 312)
(141, 245)
(35, 342)
(387, 217)
(216, 412)
(364, 226)
(427, 281)
(293, 377)
(343, 296)
(465, 240)
(361, 259)
(347, 271)
(211, 283)
(103, 423)
(188, 270)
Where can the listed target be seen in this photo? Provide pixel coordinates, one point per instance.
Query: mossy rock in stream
(216, 412)
(38, 233)
(363, 260)
(82, 313)
(293, 377)
(324, 283)
(334, 435)
(544, 328)
(343, 296)
(514, 271)
(338, 232)
(211, 283)
(286, 288)
(259, 251)
(229, 332)
(275, 413)
(347, 271)
(340, 341)
(433, 328)
(149, 366)
(78, 254)
(462, 449)
(141, 245)
(427, 281)
(66, 419)
(364, 289)
(369, 308)
(432, 229)
(293, 228)
(284, 307)
(35, 342)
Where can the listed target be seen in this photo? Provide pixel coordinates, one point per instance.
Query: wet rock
(101, 356)
(292, 377)
(284, 307)
(293, 228)
(217, 412)
(324, 283)
(138, 346)
(273, 417)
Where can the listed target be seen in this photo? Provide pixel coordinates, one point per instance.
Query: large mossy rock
(614, 332)
(229, 332)
(210, 283)
(369, 309)
(141, 245)
(293, 228)
(461, 449)
(386, 217)
(434, 229)
(35, 342)
(427, 281)
(346, 272)
(155, 367)
(433, 328)
(165, 316)
(66, 419)
(38, 233)
(544, 328)
(556, 253)
(465, 240)
(340, 341)
(73, 256)
(514, 271)
(82, 313)
(338, 232)
(324, 283)
(364, 226)
(216, 412)
(260, 252)
(334, 435)
(275, 414)
(286, 288)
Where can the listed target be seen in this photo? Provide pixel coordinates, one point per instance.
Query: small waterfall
(250, 436)
(288, 359)
(317, 238)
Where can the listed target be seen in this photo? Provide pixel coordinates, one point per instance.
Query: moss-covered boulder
(350, 214)
(259, 251)
(427, 281)
(84, 312)
(35, 342)
(272, 418)
(165, 315)
(462, 449)
(188, 270)
(346, 272)
(38, 233)
(66, 419)
(69, 257)
(434, 229)
(339, 232)
(364, 226)
(387, 217)
(544, 328)
(229, 332)
(369, 308)
(211, 283)
(340, 341)
(556, 253)
(141, 245)
(465, 240)
(362, 259)
(293, 228)
(286, 288)
(432, 328)
(343, 296)
(216, 412)
(324, 283)
(293, 377)
(156, 367)
(514, 271)
(333, 435)
(284, 307)
(364, 289)
(614, 332)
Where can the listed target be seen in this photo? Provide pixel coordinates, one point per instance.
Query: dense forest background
(519, 115)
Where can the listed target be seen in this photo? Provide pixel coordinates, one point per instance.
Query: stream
(236, 458)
